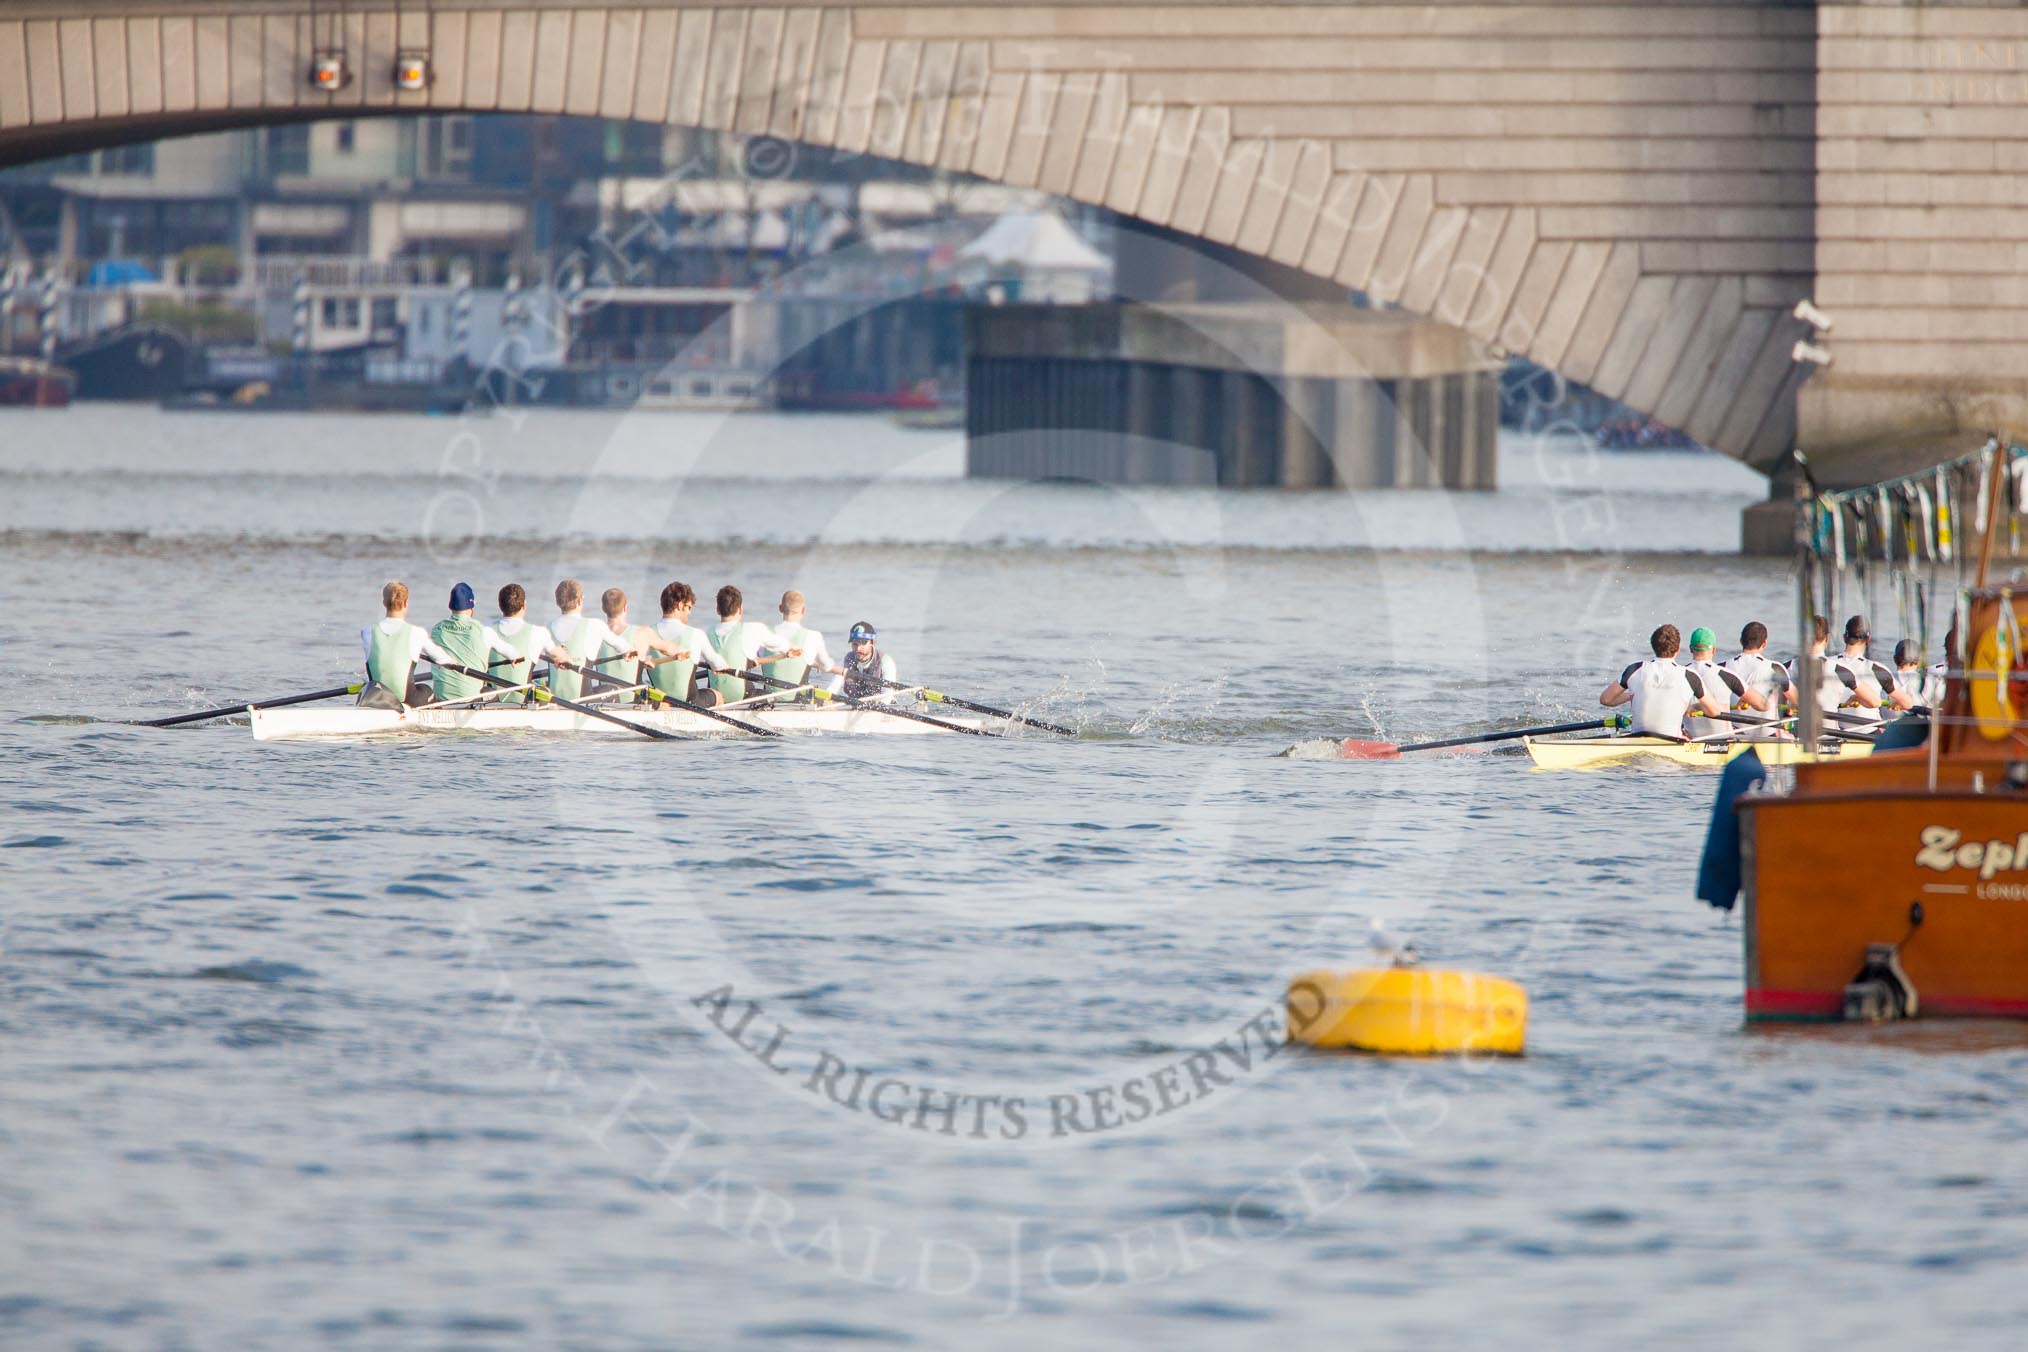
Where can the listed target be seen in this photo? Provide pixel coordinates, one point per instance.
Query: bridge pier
(1246, 396)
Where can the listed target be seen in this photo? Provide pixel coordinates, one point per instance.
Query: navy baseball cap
(462, 597)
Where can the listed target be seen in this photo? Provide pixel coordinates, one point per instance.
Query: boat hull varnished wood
(1590, 753)
(1840, 863)
(274, 725)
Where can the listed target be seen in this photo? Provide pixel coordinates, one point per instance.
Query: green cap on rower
(1702, 638)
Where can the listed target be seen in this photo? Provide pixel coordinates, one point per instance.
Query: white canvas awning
(1037, 241)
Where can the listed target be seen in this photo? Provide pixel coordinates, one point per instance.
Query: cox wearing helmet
(867, 669)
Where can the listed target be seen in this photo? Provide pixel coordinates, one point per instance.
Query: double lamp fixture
(330, 72)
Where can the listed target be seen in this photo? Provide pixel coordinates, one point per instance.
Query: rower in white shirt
(815, 666)
(1940, 674)
(1662, 691)
(1831, 691)
(1721, 681)
(393, 647)
(582, 639)
(738, 645)
(677, 676)
(1870, 687)
(470, 644)
(1760, 673)
(1763, 677)
(615, 657)
(1925, 684)
(522, 641)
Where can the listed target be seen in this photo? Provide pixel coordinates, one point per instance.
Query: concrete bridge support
(1248, 396)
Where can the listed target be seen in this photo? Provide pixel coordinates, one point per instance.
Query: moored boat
(1895, 885)
(30, 382)
(276, 725)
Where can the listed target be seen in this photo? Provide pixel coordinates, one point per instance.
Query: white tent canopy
(1036, 241)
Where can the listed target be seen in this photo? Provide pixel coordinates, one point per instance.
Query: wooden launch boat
(30, 382)
(1897, 884)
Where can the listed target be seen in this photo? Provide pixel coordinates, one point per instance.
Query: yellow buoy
(1408, 1010)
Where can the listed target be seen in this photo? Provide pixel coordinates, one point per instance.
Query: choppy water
(408, 1044)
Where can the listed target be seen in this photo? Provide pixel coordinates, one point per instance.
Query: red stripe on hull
(1773, 1004)
(1765, 1004)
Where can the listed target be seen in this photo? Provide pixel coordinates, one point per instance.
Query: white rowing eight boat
(275, 725)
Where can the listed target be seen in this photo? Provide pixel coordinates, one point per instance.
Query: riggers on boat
(1591, 753)
(1897, 884)
(274, 725)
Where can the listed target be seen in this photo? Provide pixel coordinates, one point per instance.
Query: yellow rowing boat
(1588, 753)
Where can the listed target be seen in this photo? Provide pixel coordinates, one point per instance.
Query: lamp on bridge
(328, 72)
(1816, 354)
(1812, 316)
(412, 71)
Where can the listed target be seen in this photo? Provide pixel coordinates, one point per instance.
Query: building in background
(591, 252)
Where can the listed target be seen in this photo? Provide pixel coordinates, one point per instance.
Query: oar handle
(544, 696)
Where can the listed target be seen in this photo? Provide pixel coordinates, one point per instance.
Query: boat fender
(1719, 871)
(1412, 1011)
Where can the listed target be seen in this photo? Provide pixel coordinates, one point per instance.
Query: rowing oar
(230, 709)
(850, 703)
(1753, 722)
(546, 697)
(1354, 749)
(663, 696)
(939, 697)
(765, 699)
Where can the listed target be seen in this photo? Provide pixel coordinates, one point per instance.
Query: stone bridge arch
(1620, 192)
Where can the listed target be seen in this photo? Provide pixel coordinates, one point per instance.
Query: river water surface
(524, 1041)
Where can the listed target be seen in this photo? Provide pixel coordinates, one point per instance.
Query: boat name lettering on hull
(1945, 848)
